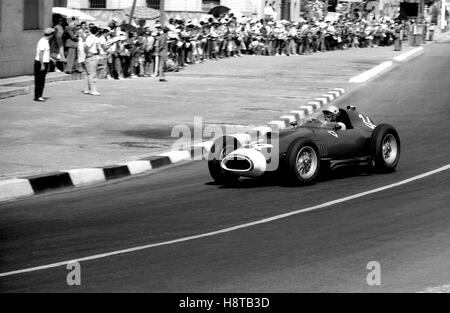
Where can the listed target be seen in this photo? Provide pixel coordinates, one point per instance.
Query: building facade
(21, 26)
(103, 9)
(286, 9)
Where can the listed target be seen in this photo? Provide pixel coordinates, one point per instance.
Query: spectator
(102, 68)
(83, 32)
(431, 31)
(92, 46)
(163, 51)
(57, 45)
(72, 47)
(397, 36)
(41, 63)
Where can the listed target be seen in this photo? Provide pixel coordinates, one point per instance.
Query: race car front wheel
(385, 148)
(219, 150)
(303, 163)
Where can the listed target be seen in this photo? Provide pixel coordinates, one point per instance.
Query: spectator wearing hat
(111, 56)
(41, 63)
(92, 46)
(163, 53)
(148, 42)
(102, 68)
(83, 32)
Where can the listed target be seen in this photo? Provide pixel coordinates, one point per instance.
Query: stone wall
(18, 46)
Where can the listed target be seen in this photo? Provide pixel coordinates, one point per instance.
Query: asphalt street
(406, 228)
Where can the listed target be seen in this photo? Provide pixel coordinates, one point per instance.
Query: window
(60, 3)
(31, 15)
(154, 4)
(209, 4)
(97, 4)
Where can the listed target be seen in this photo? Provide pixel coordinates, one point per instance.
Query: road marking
(227, 230)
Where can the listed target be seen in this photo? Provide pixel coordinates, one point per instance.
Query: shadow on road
(276, 179)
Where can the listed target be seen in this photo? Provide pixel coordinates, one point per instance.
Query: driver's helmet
(331, 113)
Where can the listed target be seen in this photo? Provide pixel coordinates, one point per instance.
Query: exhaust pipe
(245, 162)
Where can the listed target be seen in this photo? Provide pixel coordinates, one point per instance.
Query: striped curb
(305, 110)
(12, 189)
(17, 188)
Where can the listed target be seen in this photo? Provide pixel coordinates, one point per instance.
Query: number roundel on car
(333, 133)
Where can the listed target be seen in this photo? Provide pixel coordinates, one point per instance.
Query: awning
(72, 13)
(143, 13)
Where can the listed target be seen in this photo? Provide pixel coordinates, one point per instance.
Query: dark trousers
(71, 60)
(39, 79)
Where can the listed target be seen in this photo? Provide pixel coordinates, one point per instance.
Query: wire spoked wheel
(306, 163)
(302, 163)
(390, 149)
(385, 148)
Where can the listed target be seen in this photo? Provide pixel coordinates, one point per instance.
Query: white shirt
(43, 46)
(91, 43)
(268, 11)
(102, 42)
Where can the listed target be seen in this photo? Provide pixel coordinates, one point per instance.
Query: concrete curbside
(138, 167)
(87, 176)
(177, 156)
(15, 188)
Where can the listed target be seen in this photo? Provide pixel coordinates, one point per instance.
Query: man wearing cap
(163, 53)
(41, 63)
(91, 46)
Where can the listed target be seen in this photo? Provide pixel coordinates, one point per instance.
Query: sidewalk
(134, 118)
(23, 85)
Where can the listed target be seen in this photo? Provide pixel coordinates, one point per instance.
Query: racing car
(301, 151)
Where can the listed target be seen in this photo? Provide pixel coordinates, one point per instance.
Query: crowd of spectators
(127, 52)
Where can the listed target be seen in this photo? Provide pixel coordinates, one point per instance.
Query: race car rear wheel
(385, 148)
(219, 150)
(303, 162)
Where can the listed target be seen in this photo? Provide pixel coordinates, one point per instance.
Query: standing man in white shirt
(91, 46)
(41, 63)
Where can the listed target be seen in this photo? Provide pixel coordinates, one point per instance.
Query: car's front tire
(385, 148)
(303, 162)
(219, 150)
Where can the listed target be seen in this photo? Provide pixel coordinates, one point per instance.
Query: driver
(331, 115)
